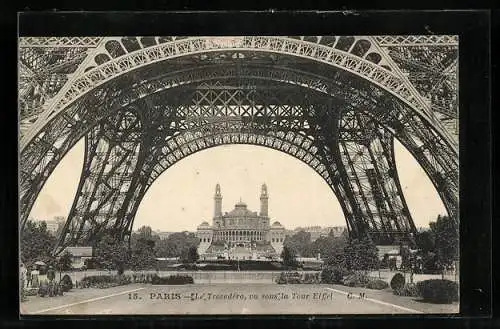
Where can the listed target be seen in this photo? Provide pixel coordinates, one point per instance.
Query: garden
(430, 291)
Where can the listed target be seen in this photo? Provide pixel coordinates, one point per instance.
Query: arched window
(374, 58)
(344, 43)
(327, 41)
(114, 48)
(148, 41)
(131, 44)
(101, 59)
(311, 39)
(361, 47)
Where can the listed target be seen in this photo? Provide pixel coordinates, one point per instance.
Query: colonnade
(240, 235)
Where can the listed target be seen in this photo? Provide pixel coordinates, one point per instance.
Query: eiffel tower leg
(430, 150)
(112, 159)
(368, 156)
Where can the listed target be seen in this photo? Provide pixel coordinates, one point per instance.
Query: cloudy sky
(182, 197)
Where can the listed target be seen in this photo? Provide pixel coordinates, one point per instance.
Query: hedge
(438, 291)
(172, 279)
(333, 275)
(66, 283)
(50, 289)
(297, 278)
(104, 281)
(377, 284)
(356, 280)
(408, 290)
(397, 281)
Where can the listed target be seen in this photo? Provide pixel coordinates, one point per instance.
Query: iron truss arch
(126, 59)
(228, 94)
(294, 129)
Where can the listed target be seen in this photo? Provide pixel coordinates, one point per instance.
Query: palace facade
(240, 233)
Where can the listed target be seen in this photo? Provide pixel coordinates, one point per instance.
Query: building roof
(79, 251)
(240, 210)
(277, 224)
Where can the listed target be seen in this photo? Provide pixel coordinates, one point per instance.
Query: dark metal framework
(333, 118)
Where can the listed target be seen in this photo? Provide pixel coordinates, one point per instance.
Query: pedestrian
(34, 278)
(29, 278)
(22, 273)
(51, 274)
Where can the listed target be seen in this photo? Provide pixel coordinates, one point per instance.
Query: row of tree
(143, 249)
(336, 251)
(37, 244)
(437, 249)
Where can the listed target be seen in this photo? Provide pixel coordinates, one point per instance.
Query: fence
(387, 276)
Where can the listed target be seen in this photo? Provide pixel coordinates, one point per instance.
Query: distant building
(53, 225)
(162, 234)
(78, 255)
(240, 233)
(319, 231)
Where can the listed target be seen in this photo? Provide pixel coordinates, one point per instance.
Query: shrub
(172, 279)
(290, 278)
(281, 279)
(438, 291)
(105, 281)
(397, 281)
(377, 284)
(66, 283)
(408, 290)
(311, 278)
(357, 279)
(333, 275)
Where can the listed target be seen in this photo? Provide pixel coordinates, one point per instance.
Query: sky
(182, 197)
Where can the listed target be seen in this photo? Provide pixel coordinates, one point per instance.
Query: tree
(445, 233)
(330, 248)
(112, 253)
(190, 255)
(300, 243)
(142, 254)
(289, 257)
(425, 241)
(36, 244)
(65, 262)
(176, 244)
(361, 255)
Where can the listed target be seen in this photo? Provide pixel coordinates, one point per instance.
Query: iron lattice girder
(433, 70)
(370, 165)
(112, 160)
(165, 152)
(428, 149)
(43, 73)
(196, 45)
(417, 40)
(79, 117)
(87, 218)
